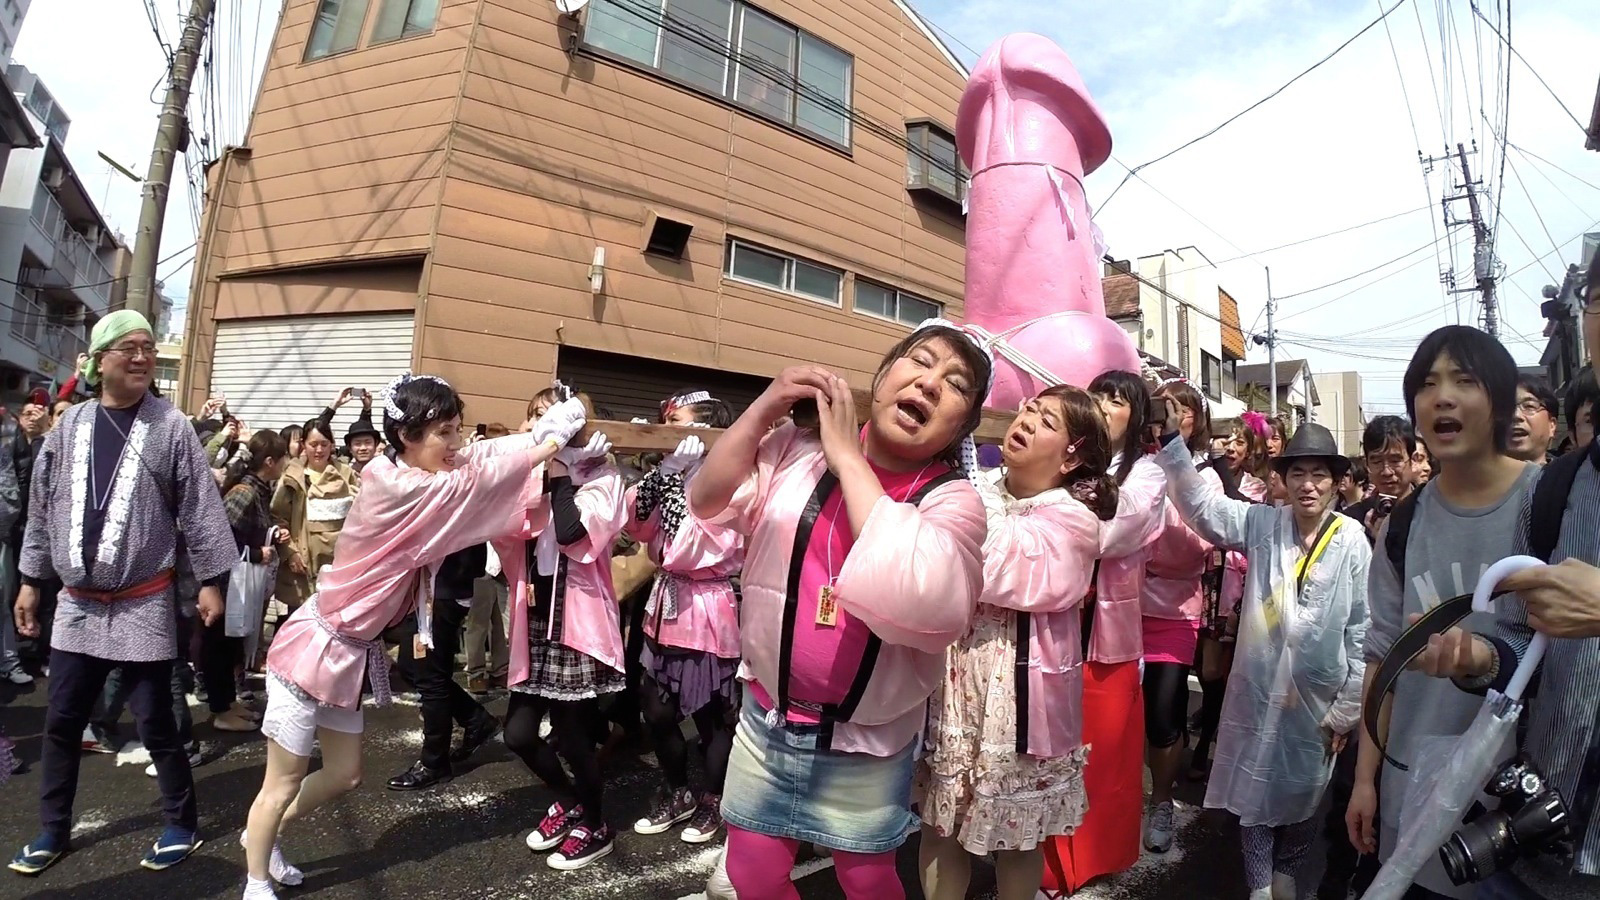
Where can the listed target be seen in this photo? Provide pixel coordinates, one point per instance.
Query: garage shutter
(277, 372)
(623, 387)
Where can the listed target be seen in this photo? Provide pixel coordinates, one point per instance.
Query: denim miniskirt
(779, 784)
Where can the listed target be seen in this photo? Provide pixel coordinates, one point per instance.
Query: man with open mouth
(1533, 431)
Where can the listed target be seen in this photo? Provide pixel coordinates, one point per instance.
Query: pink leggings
(759, 868)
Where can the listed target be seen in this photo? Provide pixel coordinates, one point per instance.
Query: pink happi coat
(702, 557)
(1175, 564)
(1038, 561)
(403, 523)
(912, 577)
(1125, 543)
(590, 622)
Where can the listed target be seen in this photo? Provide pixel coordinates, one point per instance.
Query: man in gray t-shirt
(1461, 391)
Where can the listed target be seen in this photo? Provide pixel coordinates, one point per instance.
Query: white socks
(258, 890)
(280, 870)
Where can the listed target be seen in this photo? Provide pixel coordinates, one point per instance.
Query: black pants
(1347, 867)
(712, 721)
(1166, 703)
(569, 728)
(444, 703)
(220, 656)
(76, 681)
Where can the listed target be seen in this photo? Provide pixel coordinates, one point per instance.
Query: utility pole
(170, 136)
(1272, 344)
(1482, 250)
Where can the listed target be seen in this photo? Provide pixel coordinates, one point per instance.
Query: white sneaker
(1283, 887)
(194, 760)
(1261, 894)
(718, 886)
(18, 676)
(1158, 830)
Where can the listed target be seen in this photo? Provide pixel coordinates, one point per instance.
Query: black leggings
(569, 729)
(664, 716)
(1166, 703)
(1212, 693)
(220, 656)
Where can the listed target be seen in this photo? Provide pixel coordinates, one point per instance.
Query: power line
(1369, 271)
(1506, 39)
(1540, 259)
(1529, 153)
(1363, 287)
(1241, 113)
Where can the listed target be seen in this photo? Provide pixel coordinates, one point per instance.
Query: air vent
(666, 237)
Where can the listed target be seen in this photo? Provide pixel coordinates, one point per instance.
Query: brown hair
(976, 360)
(1255, 451)
(1092, 482)
(550, 397)
(1184, 393)
(495, 430)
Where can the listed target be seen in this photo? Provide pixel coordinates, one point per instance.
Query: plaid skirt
(558, 672)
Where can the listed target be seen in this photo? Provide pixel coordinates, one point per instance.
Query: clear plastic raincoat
(1298, 667)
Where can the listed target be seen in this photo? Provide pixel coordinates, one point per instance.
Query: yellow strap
(1310, 559)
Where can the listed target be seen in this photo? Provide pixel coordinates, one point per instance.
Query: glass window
(1211, 375)
(875, 299)
(914, 310)
(628, 28)
(932, 161)
(764, 82)
(404, 18)
(823, 107)
(815, 281)
(694, 43)
(336, 28)
(755, 265)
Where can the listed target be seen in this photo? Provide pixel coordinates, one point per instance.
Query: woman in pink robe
(428, 498)
(863, 563)
(1006, 762)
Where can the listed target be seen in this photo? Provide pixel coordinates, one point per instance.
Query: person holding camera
(1559, 522)
(1461, 389)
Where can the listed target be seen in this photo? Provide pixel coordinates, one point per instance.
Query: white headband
(1205, 405)
(392, 409)
(969, 447)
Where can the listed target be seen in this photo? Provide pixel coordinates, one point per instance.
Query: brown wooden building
(647, 194)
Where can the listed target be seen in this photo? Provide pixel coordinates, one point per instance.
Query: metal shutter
(625, 387)
(277, 372)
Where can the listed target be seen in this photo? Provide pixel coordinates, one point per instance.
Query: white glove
(560, 422)
(688, 455)
(597, 448)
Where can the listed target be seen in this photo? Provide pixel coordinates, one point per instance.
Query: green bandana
(108, 331)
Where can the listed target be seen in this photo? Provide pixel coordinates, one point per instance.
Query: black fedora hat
(1312, 441)
(362, 427)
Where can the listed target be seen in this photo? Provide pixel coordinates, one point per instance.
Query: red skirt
(1113, 726)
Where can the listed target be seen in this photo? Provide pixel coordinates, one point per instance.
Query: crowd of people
(870, 631)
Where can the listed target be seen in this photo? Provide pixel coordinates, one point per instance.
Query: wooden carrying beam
(631, 437)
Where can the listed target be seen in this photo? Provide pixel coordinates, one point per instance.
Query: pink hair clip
(1256, 422)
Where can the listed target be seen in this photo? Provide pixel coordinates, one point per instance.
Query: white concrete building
(1339, 408)
(12, 12)
(55, 249)
(1297, 389)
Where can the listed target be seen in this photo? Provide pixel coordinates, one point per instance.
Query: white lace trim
(122, 494)
(557, 694)
(319, 509)
(80, 490)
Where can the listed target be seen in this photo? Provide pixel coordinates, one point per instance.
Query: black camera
(1532, 818)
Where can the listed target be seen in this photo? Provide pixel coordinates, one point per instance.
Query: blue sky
(1336, 149)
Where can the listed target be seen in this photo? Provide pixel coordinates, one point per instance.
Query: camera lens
(1474, 853)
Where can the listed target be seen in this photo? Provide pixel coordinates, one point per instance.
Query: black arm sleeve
(564, 509)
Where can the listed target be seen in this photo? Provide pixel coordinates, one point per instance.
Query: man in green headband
(114, 485)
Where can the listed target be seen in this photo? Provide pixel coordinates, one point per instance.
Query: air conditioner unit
(92, 235)
(53, 178)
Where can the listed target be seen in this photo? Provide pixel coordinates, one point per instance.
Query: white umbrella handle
(1482, 602)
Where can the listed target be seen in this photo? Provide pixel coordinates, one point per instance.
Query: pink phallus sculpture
(1030, 133)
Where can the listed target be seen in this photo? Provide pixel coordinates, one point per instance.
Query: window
(404, 18)
(907, 309)
(1230, 378)
(734, 51)
(780, 272)
(336, 28)
(932, 163)
(1211, 375)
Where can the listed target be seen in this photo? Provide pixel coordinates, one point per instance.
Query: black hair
(975, 359)
(711, 413)
(1186, 395)
(263, 446)
(1479, 355)
(1584, 390)
(1385, 430)
(292, 433)
(320, 426)
(422, 401)
(1358, 470)
(1539, 387)
(1135, 392)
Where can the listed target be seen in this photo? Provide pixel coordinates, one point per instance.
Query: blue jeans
(1506, 886)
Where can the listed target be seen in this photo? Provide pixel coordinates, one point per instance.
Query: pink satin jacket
(702, 557)
(1175, 563)
(402, 524)
(1125, 542)
(1038, 560)
(590, 621)
(912, 577)
(1237, 566)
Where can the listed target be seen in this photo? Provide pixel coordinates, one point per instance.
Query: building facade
(12, 12)
(55, 248)
(631, 199)
(1297, 390)
(1180, 317)
(1339, 409)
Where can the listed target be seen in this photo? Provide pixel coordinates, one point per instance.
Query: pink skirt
(1170, 640)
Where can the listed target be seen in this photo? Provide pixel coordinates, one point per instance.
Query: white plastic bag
(248, 585)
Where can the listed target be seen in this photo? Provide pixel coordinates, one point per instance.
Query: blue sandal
(38, 856)
(175, 846)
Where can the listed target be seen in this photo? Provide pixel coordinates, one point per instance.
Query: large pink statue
(1030, 133)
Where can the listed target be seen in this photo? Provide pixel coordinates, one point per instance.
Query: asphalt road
(459, 841)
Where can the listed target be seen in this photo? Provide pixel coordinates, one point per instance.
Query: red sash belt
(161, 582)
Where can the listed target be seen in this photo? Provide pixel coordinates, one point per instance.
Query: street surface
(461, 841)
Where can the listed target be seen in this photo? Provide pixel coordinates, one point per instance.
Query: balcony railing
(54, 341)
(47, 214)
(76, 259)
(26, 317)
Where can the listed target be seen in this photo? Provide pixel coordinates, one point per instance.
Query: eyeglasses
(1532, 407)
(1386, 465)
(134, 351)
